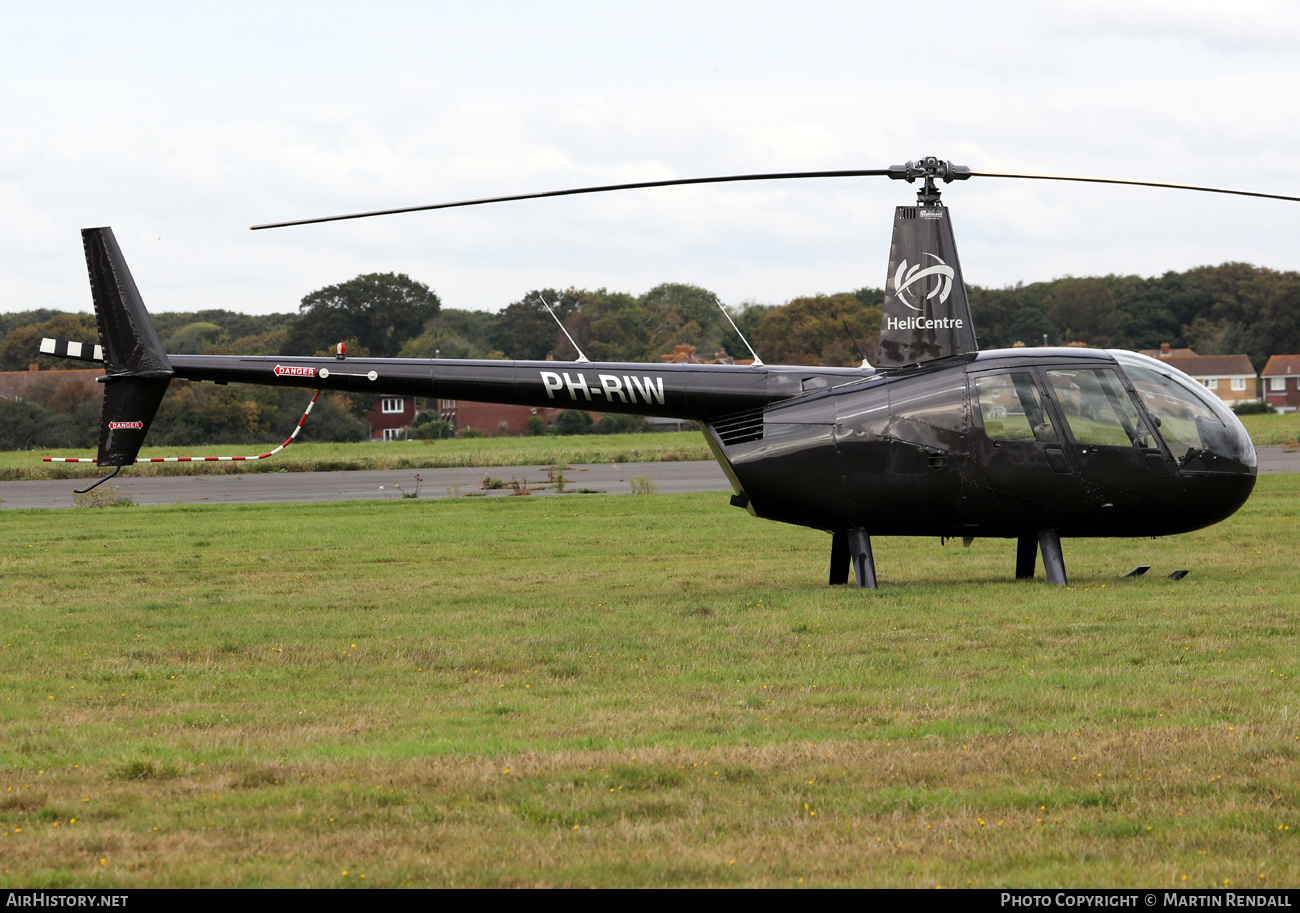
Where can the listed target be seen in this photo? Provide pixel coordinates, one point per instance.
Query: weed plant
(102, 496)
(643, 485)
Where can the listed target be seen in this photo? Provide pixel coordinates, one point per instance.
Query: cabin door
(1019, 447)
(1115, 449)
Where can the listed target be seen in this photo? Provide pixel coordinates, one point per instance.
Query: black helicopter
(936, 439)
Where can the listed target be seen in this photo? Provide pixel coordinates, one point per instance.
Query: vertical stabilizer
(131, 344)
(138, 368)
(926, 313)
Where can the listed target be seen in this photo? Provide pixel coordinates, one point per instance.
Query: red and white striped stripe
(226, 459)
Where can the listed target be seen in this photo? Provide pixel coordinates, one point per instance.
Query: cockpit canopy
(1192, 421)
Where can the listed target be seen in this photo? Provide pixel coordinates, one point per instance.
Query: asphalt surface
(1275, 459)
(280, 487)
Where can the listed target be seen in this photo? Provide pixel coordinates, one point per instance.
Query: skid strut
(853, 547)
(1027, 548)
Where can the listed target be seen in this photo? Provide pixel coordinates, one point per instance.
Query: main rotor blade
(727, 179)
(1088, 180)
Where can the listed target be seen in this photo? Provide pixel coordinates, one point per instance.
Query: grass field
(1274, 430)
(499, 451)
(653, 690)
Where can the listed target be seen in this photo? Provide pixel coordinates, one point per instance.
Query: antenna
(581, 359)
(865, 364)
(757, 360)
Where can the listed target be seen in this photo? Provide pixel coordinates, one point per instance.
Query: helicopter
(936, 438)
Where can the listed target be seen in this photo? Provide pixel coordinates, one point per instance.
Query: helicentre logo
(904, 278)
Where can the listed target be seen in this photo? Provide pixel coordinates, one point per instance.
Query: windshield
(1096, 407)
(1190, 419)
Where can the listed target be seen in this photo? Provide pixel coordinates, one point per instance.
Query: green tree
(454, 333)
(30, 425)
(810, 331)
(268, 343)
(747, 317)
(525, 331)
(21, 346)
(608, 326)
(331, 418)
(1088, 310)
(676, 313)
(1032, 327)
(380, 310)
(614, 423)
(11, 322)
(1278, 329)
(193, 339)
(194, 414)
(995, 310)
(573, 421)
(1161, 306)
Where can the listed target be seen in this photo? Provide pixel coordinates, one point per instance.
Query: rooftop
(1281, 364)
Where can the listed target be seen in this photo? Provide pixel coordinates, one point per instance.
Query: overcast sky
(180, 125)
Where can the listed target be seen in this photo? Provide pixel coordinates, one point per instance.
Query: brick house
(1281, 382)
(391, 418)
(1231, 377)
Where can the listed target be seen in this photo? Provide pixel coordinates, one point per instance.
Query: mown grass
(636, 691)
(501, 451)
(1273, 430)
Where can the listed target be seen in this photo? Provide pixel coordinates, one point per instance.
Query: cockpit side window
(1012, 408)
(1097, 408)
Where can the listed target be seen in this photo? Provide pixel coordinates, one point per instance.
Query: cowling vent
(740, 428)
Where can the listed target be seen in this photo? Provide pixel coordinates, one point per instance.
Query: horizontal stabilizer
(62, 348)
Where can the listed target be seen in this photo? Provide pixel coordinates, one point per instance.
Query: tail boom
(686, 392)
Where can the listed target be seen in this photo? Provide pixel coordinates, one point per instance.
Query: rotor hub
(929, 168)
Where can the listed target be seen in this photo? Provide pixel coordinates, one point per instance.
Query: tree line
(1226, 309)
